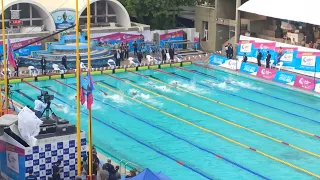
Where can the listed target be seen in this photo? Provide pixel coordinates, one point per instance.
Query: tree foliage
(159, 14)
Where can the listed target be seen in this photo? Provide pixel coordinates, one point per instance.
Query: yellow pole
(89, 68)
(78, 90)
(4, 62)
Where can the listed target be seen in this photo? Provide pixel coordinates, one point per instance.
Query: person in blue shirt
(31, 176)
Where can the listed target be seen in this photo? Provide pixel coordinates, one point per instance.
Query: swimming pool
(193, 123)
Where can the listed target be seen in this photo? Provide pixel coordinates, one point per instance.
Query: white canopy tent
(294, 10)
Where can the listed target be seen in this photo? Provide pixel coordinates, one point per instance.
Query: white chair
(271, 64)
(134, 61)
(111, 63)
(279, 65)
(9, 72)
(83, 66)
(33, 71)
(149, 58)
(58, 68)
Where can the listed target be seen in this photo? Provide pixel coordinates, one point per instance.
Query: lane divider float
(162, 129)
(210, 131)
(259, 92)
(127, 135)
(235, 95)
(221, 119)
(248, 112)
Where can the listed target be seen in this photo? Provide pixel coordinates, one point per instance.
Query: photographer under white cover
(39, 107)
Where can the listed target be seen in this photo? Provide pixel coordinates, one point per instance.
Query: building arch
(48, 22)
(119, 12)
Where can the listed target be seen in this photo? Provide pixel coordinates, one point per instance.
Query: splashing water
(222, 85)
(244, 84)
(145, 97)
(62, 108)
(160, 88)
(189, 86)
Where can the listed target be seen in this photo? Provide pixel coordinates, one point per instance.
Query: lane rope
(125, 134)
(222, 119)
(259, 92)
(248, 112)
(159, 128)
(256, 80)
(211, 132)
(235, 95)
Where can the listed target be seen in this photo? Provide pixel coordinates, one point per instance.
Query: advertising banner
(19, 42)
(12, 161)
(307, 60)
(285, 78)
(175, 35)
(64, 17)
(264, 47)
(245, 47)
(304, 83)
(249, 68)
(217, 60)
(266, 73)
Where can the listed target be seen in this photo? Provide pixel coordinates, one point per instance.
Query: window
(205, 30)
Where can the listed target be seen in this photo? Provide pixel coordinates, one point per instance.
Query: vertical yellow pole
(4, 48)
(89, 68)
(4, 61)
(78, 90)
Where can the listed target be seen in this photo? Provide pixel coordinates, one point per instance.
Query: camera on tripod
(46, 97)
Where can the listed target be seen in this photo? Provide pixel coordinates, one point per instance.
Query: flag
(10, 55)
(82, 91)
(90, 88)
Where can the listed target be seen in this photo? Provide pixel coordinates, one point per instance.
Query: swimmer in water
(104, 93)
(175, 84)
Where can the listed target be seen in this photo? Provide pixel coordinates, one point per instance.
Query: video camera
(46, 97)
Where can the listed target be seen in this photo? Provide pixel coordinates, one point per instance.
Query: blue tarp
(147, 174)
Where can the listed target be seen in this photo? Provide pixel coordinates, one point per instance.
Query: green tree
(159, 14)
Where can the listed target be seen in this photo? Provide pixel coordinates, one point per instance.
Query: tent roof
(294, 10)
(145, 175)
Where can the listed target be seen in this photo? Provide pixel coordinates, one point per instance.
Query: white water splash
(222, 85)
(192, 86)
(243, 84)
(162, 88)
(145, 97)
(116, 98)
(62, 108)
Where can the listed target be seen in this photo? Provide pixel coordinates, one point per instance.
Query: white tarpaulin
(294, 10)
(29, 125)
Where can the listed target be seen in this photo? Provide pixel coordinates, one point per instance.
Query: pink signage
(19, 44)
(123, 37)
(304, 82)
(286, 49)
(266, 73)
(174, 34)
(264, 45)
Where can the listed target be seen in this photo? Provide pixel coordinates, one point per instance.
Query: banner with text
(266, 73)
(304, 83)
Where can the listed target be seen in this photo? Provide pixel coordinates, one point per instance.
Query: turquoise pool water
(195, 131)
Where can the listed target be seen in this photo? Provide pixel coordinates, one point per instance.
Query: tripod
(47, 111)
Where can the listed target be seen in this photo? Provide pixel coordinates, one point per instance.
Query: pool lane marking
(250, 113)
(159, 128)
(121, 132)
(235, 95)
(224, 120)
(275, 97)
(256, 80)
(214, 133)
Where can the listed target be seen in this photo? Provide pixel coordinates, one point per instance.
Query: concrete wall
(226, 9)
(208, 14)
(223, 33)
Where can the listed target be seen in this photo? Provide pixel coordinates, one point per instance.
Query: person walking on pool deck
(268, 60)
(43, 65)
(245, 57)
(140, 56)
(259, 57)
(64, 61)
(117, 57)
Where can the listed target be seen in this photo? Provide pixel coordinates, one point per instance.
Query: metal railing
(129, 164)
